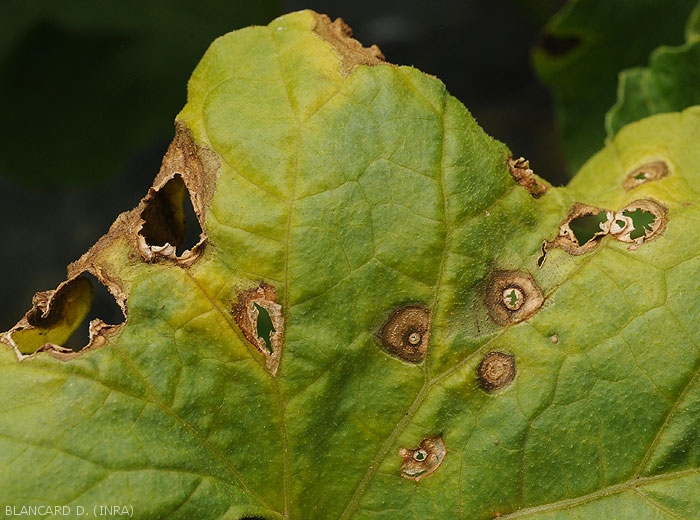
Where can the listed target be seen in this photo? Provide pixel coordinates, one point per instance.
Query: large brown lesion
(188, 171)
(570, 241)
(187, 168)
(351, 51)
(636, 223)
(424, 460)
(639, 221)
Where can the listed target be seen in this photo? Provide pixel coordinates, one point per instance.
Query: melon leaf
(386, 315)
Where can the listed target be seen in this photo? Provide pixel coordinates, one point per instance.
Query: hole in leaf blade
(512, 296)
(264, 326)
(582, 230)
(586, 227)
(260, 319)
(104, 307)
(639, 222)
(61, 321)
(169, 218)
(642, 221)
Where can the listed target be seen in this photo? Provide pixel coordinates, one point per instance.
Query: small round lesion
(406, 334)
(651, 171)
(512, 296)
(496, 370)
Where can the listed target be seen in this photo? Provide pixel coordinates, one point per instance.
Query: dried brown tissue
(566, 239)
(522, 174)
(502, 281)
(246, 316)
(406, 334)
(424, 460)
(351, 51)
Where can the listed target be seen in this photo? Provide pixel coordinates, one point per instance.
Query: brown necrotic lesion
(58, 322)
(651, 171)
(496, 370)
(424, 460)
(261, 321)
(406, 334)
(639, 221)
(582, 229)
(168, 223)
(522, 174)
(586, 226)
(512, 296)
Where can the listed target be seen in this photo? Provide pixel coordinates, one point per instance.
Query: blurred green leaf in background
(83, 84)
(670, 83)
(582, 50)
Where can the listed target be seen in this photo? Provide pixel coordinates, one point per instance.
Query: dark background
(89, 96)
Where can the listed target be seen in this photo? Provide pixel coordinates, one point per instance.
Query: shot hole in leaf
(265, 328)
(651, 171)
(104, 308)
(424, 460)
(582, 230)
(169, 220)
(512, 296)
(642, 222)
(639, 221)
(586, 227)
(79, 313)
(260, 319)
